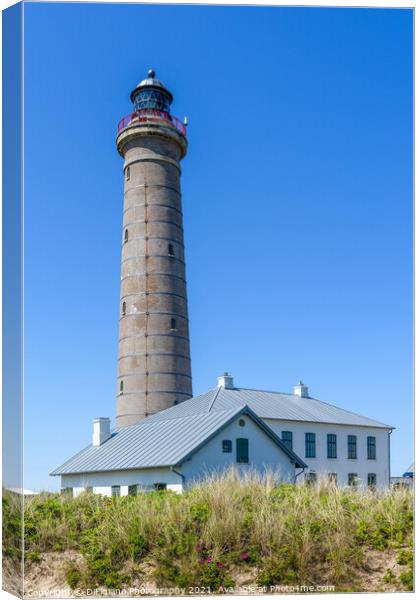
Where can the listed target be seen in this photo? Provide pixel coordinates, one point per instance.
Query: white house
(171, 451)
(295, 435)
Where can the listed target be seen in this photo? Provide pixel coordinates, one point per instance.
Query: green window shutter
(242, 454)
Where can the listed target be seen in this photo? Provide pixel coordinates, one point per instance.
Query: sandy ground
(46, 578)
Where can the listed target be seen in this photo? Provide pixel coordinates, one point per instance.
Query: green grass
(284, 534)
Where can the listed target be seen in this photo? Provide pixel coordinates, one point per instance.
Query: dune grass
(284, 534)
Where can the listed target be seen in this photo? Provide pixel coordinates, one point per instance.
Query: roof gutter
(180, 474)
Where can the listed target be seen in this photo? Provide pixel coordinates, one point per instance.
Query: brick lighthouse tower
(154, 370)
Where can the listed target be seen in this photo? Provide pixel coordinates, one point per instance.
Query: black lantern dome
(151, 94)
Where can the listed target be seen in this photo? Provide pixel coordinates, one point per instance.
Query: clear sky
(297, 197)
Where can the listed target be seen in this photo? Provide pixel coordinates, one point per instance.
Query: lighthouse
(154, 367)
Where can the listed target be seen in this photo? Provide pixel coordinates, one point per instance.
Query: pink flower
(201, 561)
(244, 556)
(209, 559)
(219, 565)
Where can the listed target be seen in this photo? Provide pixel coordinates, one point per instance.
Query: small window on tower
(173, 324)
(124, 308)
(126, 236)
(121, 386)
(171, 250)
(127, 173)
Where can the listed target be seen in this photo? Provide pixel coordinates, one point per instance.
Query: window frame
(370, 484)
(352, 479)
(311, 478)
(310, 444)
(160, 487)
(287, 442)
(371, 447)
(227, 447)
(115, 491)
(352, 447)
(333, 478)
(331, 445)
(134, 487)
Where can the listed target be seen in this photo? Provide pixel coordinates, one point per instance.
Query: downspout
(181, 475)
(300, 473)
(389, 458)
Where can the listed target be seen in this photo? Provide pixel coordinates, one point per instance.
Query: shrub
(281, 531)
(281, 569)
(213, 576)
(407, 579)
(390, 576)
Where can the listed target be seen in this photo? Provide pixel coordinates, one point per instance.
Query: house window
(241, 422)
(371, 447)
(287, 439)
(371, 480)
(115, 491)
(242, 450)
(173, 324)
(160, 486)
(124, 308)
(127, 173)
(126, 236)
(121, 386)
(332, 478)
(310, 445)
(227, 446)
(67, 491)
(132, 490)
(331, 445)
(353, 479)
(351, 446)
(89, 490)
(310, 478)
(171, 250)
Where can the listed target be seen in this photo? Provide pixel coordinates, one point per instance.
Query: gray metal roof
(159, 442)
(269, 405)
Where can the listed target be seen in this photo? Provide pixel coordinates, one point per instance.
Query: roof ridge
(214, 399)
(264, 391)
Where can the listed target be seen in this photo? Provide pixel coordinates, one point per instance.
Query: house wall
(263, 453)
(102, 482)
(340, 465)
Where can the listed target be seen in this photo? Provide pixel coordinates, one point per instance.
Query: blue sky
(297, 196)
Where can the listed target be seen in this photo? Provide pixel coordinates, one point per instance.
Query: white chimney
(301, 390)
(101, 430)
(225, 381)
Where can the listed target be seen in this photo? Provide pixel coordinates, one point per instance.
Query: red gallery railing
(152, 116)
